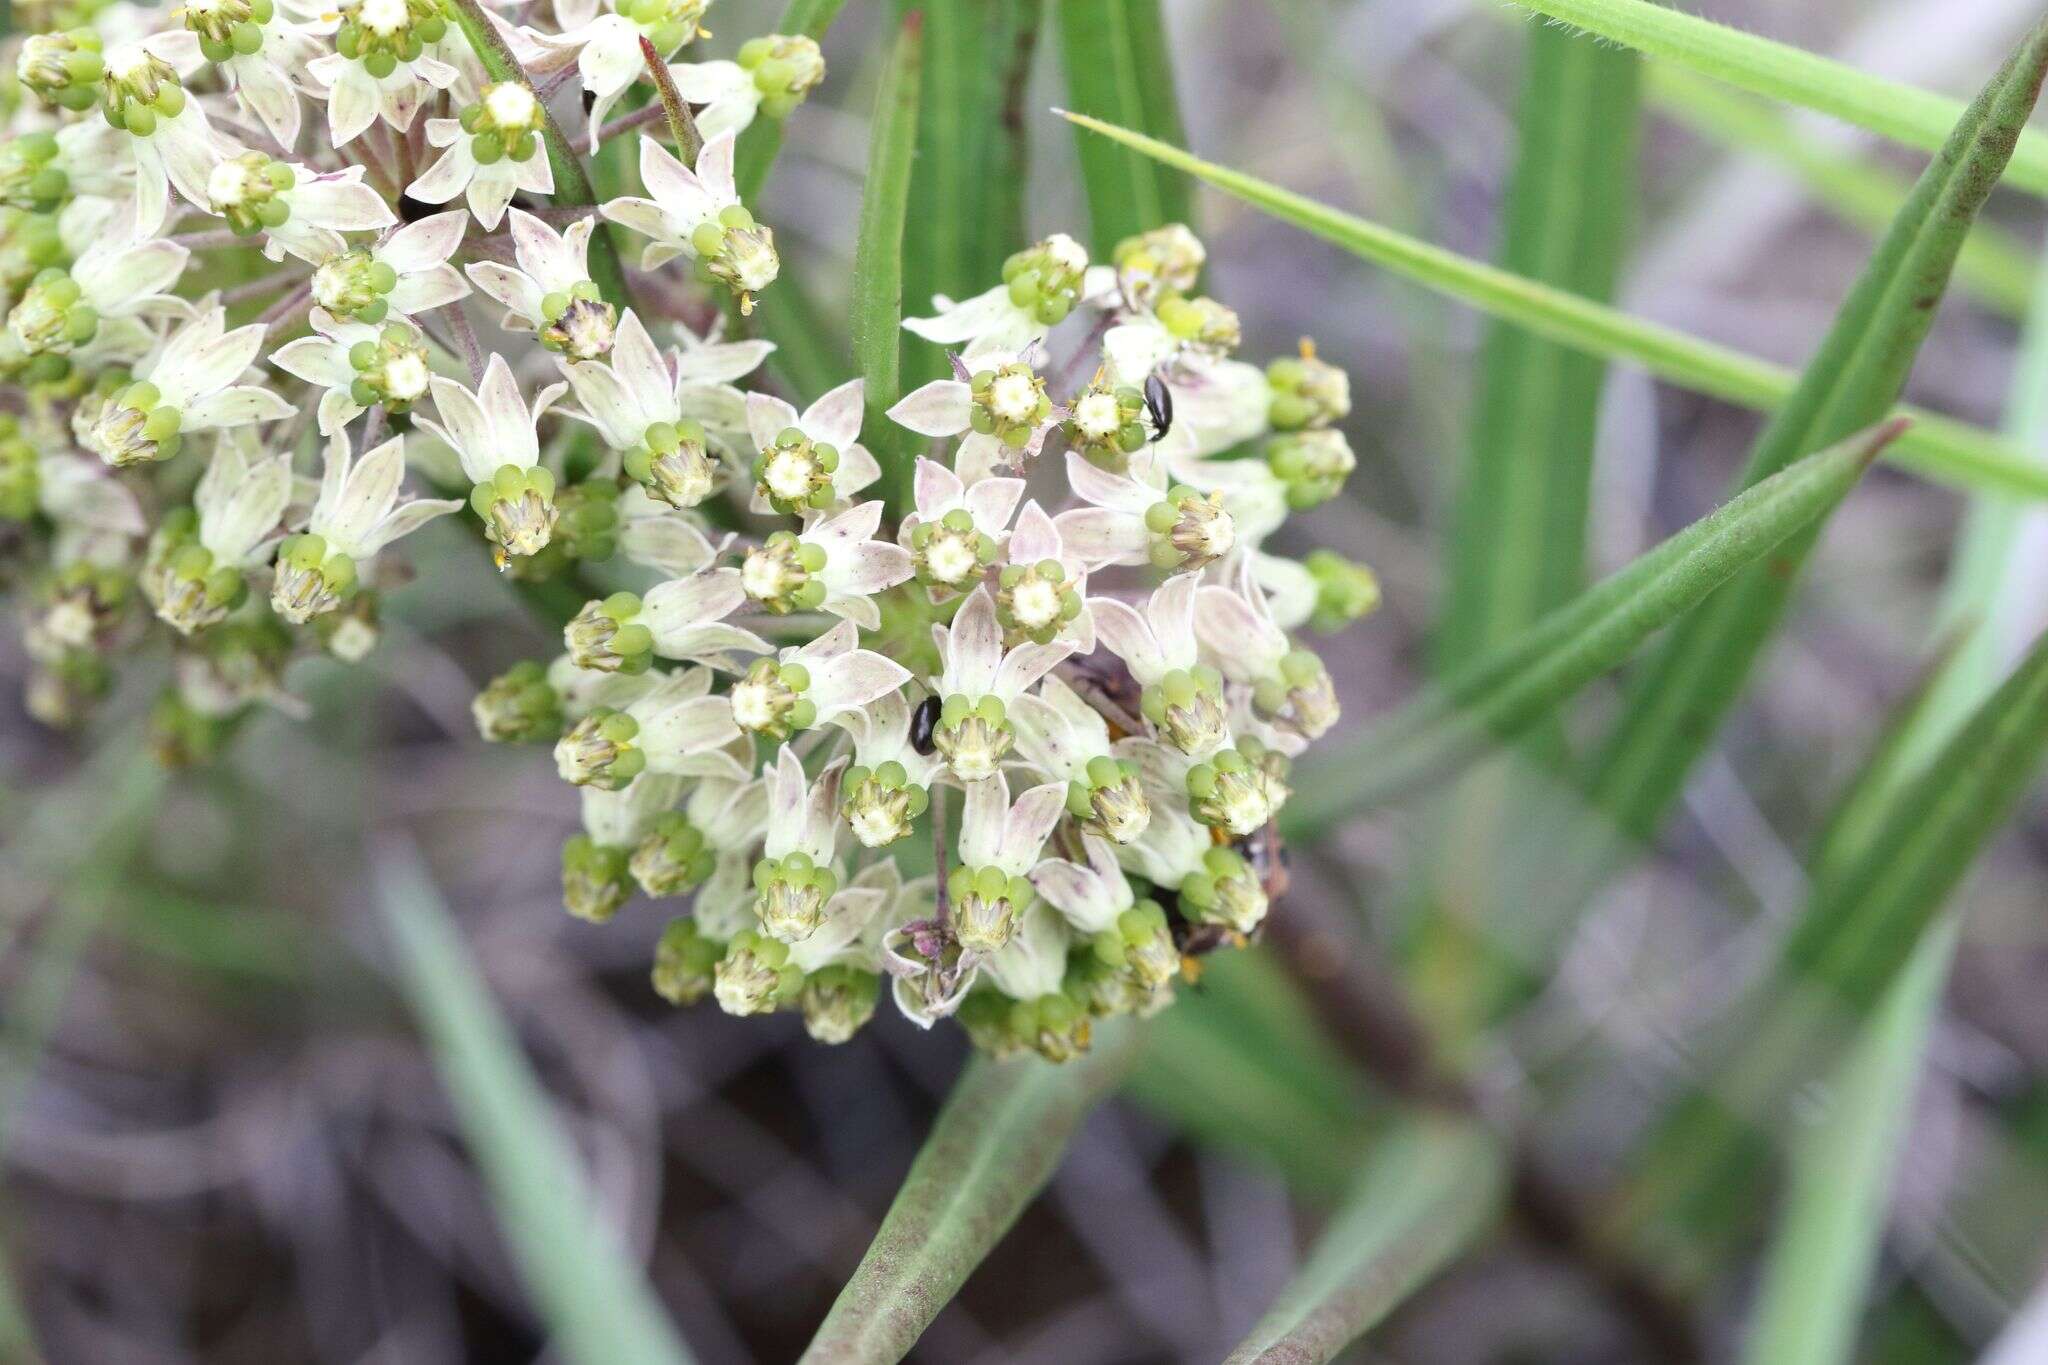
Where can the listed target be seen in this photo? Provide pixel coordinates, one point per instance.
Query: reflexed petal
(425, 244)
(513, 437)
(236, 406)
(992, 500)
(406, 518)
(972, 647)
(1028, 825)
(344, 204)
(939, 408)
(468, 428)
(683, 729)
(371, 488)
(714, 169)
(767, 417)
(853, 680)
(835, 418)
(1035, 538)
(1105, 489)
(1100, 537)
(984, 810)
(515, 289)
(446, 178)
(936, 487)
(968, 320)
(1025, 665)
(435, 287)
(1125, 634)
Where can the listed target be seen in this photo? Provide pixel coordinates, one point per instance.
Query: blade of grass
(1689, 1194)
(810, 346)
(1118, 69)
(759, 145)
(1429, 1188)
(1904, 113)
(1502, 693)
(1938, 447)
(572, 182)
(594, 1299)
(1995, 265)
(878, 254)
(968, 191)
(996, 1142)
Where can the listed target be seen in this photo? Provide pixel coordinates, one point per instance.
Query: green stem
(681, 125)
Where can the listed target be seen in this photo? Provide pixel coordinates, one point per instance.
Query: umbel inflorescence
(1006, 724)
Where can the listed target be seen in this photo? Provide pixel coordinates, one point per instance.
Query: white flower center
(1013, 398)
(951, 558)
(876, 825)
(763, 577)
(788, 475)
(126, 62)
(405, 377)
(753, 703)
(1035, 603)
(1098, 416)
(383, 16)
(510, 105)
(1067, 252)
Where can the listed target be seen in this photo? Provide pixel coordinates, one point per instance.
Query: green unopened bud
(594, 881)
(1044, 280)
(1037, 601)
(951, 553)
(1165, 260)
(183, 736)
(30, 177)
(785, 68)
(1225, 891)
(517, 507)
(790, 894)
(518, 706)
(1186, 706)
(1056, 1027)
(606, 637)
(1189, 530)
(755, 976)
(782, 574)
(795, 473)
(1298, 696)
(986, 904)
(578, 323)
(1106, 423)
(672, 856)
(64, 69)
(1307, 392)
(880, 803)
(1345, 590)
(52, 317)
(837, 1001)
(685, 962)
(1008, 403)
(1201, 323)
(674, 463)
(311, 580)
(599, 751)
(1313, 464)
(973, 736)
(737, 252)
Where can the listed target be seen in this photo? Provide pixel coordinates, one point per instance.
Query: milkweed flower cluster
(991, 702)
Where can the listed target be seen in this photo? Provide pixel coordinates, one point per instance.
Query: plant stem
(681, 126)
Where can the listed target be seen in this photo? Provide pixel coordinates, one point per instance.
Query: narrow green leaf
(968, 192)
(1689, 1193)
(878, 254)
(759, 145)
(1995, 265)
(1499, 695)
(811, 351)
(995, 1144)
(1119, 70)
(594, 1299)
(572, 182)
(1429, 1188)
(1938, 447)
(1676, 704)
(1904, 113)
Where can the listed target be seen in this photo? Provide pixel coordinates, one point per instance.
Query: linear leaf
(1904, 113)
(1677, 702)
(878, 254)
(596, 1301)
(1842, 956)
(1503, 692)
(1938, 447)
(1119, 69)
(1429, 1187)
(761, 143)
(995, 1144)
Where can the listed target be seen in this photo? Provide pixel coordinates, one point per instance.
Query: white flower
(1040, 285)
(1000, 403)
(194, 577)
(259, 52)
(187, 385)
(889, 784)
(804, 465)
(1041, 591)
(170, 140)
(1290, 689)
(1067, 740)
(833, 565)
(683, 618)
(1182, 698)
(297, 210)
(798, 875)
(956, 530)
(999, 843)
(773, 73)
(657, 411)
(697, 213)
(731, 814)
(492, 153)
(1089, 896)
(822, 681)
(111, 281)
(551, 292)
(673, 727)
(404, 274)
(1158, 514)
(492, 431)
(359, 366)
(1217, 403)
(379, 80)
(606, 48)
(977, 681)
(357, 514)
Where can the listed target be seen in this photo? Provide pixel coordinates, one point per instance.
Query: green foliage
(1118, 71)
(878, 253)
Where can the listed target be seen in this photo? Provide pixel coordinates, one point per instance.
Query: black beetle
(923, 721)
(1159, 403)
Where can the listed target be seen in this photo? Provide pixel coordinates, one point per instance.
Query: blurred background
(225, 1140)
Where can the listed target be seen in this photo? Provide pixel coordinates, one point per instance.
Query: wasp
(924, 721)
(1159, 404)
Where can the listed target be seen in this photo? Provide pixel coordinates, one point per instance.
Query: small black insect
(1159, 403)
(923, 721)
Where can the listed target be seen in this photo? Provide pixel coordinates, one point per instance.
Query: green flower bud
(782, 574)
(518, 706)
(672, 856)
(1345, 590)
(837, 1001)
(1202, 323)
(1307, 392)
(21, 478)
(785, 68)
(1036, 601)
(181, 736)
(594, 881)
(795, 473)
(674, 464)
(598, 751)
(1056, 1027)
(685, 962)
(973, 737)
(605, 637)
(310, 580)
(517, 507)
(1186, 706)
(1165, 260)
(64, 69)
(30, 177)
(790, 894)
(755, 975)
(1313, 464)
(1189, 530)
(1045, 279)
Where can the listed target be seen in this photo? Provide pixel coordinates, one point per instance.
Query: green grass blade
(995, 1144)
(1995, 266)
(1499, 695)
(1938, 447)
(878, 254)
(595, 1300)
(1677, 703)
(1691, 1191)
(811, 351)
(1429, 1188)
(968, 193)
(761, 143)
(572, 182)
(1904, 113)
(1118, 69)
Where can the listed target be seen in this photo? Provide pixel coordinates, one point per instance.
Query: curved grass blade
(1502, 693)
(1938, 447)
(572, 182)
(762, 142)
(592, 1296)
(878, 254)
(1119, 69)
(1429, 1188)
(1904, 113)
(1691, 1192)
(995, 1144)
